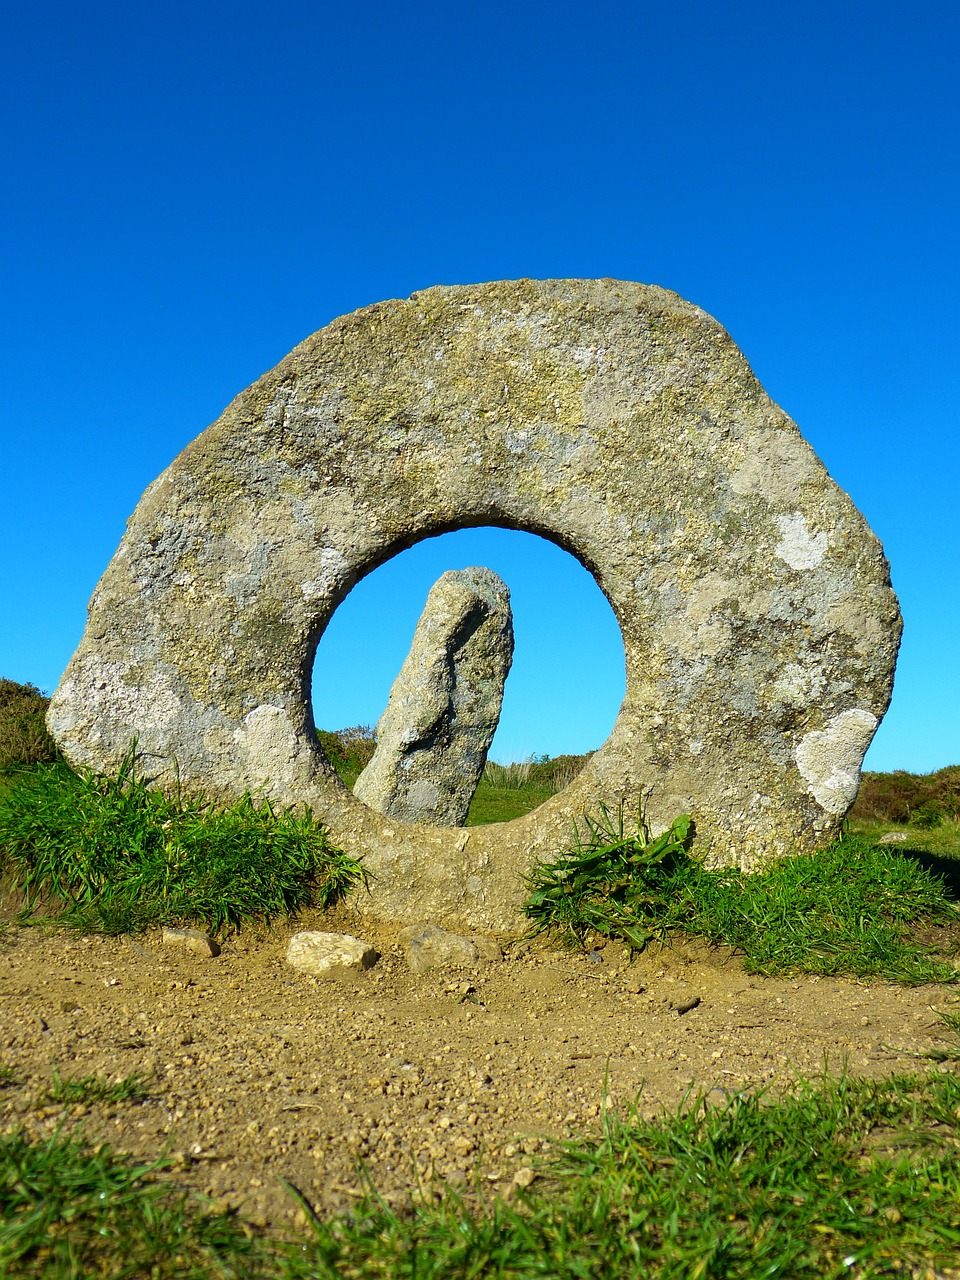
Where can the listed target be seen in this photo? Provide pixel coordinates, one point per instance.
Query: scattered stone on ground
(256, 1073)
(893, 837)
(444, 707)
(322, 954)
(194, 940)
(430, 947)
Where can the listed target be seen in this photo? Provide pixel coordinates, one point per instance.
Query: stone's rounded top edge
(594, 289)
(479, 579)
(601, 294)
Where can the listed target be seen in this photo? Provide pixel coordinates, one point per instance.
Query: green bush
(901, 797)
(119, 856)
(24, 739)
(349, 750)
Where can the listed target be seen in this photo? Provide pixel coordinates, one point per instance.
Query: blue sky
(188, 191)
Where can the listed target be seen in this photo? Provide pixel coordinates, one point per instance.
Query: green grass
(950, 1020)
(491, 803)
(90, 1089)
(844, 1178)
(847, 909)
(115, 856)
(69, 1211)
(831, 1178)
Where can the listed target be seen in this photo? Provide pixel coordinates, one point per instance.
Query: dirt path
(258, 1073)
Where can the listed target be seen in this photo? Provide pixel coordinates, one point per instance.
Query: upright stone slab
(433, 738)
(759, 627)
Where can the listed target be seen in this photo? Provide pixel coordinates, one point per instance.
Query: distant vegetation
(349, 750)
(506, 791)
(901, 798)
(23, 732)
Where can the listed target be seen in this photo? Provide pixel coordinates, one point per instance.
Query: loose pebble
(201, 944)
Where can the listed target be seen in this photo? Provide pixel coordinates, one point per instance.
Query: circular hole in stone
(565, 685)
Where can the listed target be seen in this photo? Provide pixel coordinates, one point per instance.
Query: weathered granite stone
(430, 947)
(194, 940)
(759, 627)
(433, 738)
(325, 954)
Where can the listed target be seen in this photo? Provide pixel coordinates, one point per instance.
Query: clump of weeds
(846, 909)
(116, 856)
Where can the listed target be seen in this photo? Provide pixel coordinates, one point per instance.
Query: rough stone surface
(323, 954)
(433, 738)
(759, 627)
(433, 948)
(194, 940)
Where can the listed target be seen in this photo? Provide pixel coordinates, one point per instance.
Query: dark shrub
(901, 797)
(349, 750)
(23, 733)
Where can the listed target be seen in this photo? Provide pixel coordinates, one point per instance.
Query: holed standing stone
(759, 627)
(433, 738)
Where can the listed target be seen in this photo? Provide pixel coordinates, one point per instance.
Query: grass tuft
(69, 1211)
(846, 909)
(90, 1089)
(120, 856)
(609, 884)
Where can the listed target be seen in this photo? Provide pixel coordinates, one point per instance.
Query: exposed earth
(256, 1073)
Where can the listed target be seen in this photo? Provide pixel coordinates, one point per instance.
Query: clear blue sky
(189, 190)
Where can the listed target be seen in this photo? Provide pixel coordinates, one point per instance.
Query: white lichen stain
(268, 742)
(145, 705)
(800, 548)
(798, 686)
(333, 568)
(829, 759)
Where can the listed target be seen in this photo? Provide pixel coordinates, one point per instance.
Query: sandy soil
(257, 1073)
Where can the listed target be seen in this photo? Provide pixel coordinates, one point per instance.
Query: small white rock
(325, 954)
